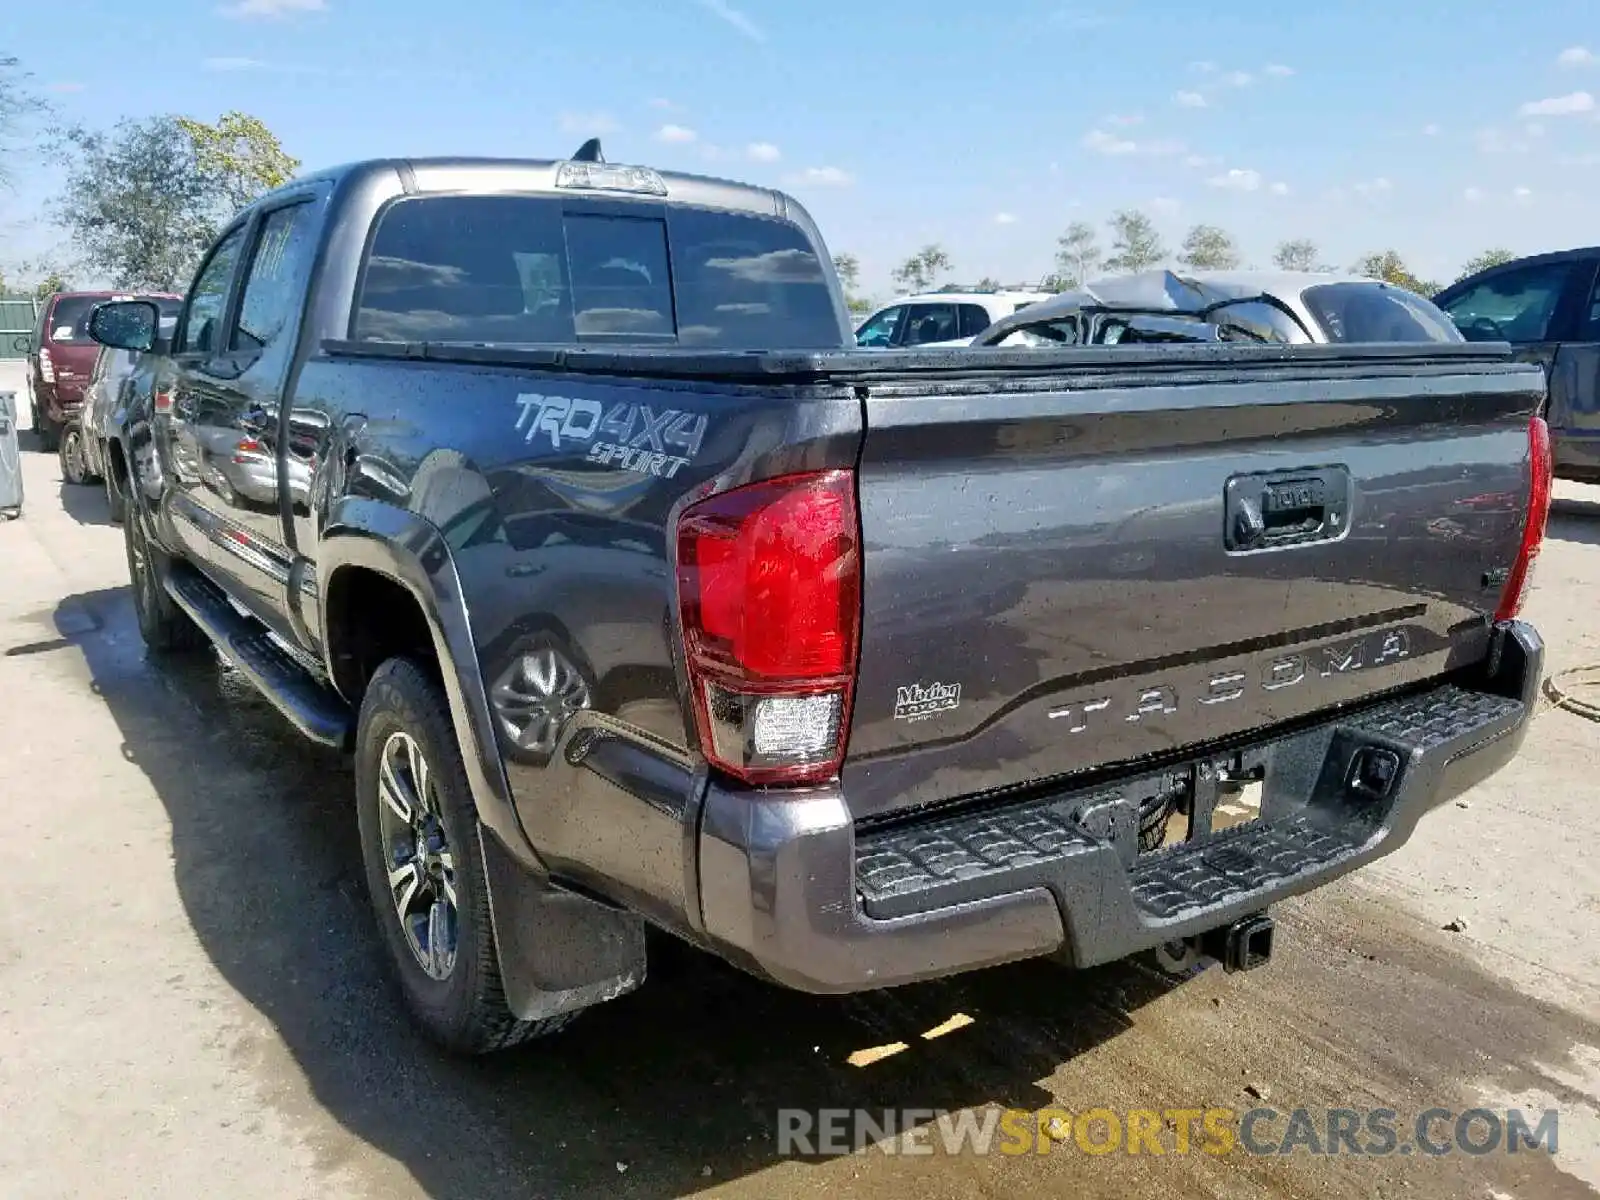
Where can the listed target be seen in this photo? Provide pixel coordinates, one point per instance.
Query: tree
(1135, 244)
(1297, 254)
(918, 272)
(49, 284)
(1209, 248)
(1482, 262)
(239, 156)
(1077, 257)
(136, 204)
(848, 268)
(988, 284)
(17, 102)
(1388, 266)
(144, 201)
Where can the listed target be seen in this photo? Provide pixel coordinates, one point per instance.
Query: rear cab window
(1369, 312)
(524, 270)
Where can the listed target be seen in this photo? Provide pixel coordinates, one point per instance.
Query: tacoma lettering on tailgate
(1160, 699)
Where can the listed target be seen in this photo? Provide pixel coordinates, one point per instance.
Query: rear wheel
(163, 625)
(419, 844)
(74, 463)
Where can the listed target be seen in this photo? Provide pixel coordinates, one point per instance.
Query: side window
(277, 274)
(879, 331)
(1511, 306)
(1591, 310)
(930, 323)
(974, 320)
(201, 329)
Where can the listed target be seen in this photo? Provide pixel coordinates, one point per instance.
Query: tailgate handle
(1265, 511)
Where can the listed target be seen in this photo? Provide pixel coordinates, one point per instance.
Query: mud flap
(559, 952)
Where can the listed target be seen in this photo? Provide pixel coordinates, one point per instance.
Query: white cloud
(1492, 140)
(1522, 194)
(1279, 71)
(762, 152)
(1102, 142)
(726, 12)
(1373, 187)
(1166, 206)
(1237, 179)
(1430, 131)
(232, 64)
(1589, 159)
(1190, 100)
(675, 134)
(1577, 56)
(1005, 218)
(822, 177)
(1205, 67)
(588, 124)
(1279, 188)
(1238, 79)
(665, 105)
(1533, 129)
(1472, 195)
(1202, 160)
(1559, 106)
(1125, 120)
(246, 9)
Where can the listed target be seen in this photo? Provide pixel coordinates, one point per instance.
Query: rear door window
(69, 319)
(272, 290)
(930, 323)
(974, 320)
(541, 270)
(1516, 306)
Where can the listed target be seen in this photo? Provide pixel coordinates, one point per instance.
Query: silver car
(83, 441)
(1291, 307)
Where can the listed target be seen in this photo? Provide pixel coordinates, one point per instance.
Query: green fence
(18, 315)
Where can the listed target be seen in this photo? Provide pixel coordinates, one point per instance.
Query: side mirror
(126, 325)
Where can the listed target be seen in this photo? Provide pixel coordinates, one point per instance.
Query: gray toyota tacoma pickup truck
(554, 493)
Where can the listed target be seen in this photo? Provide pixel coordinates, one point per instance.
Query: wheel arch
(367, 548)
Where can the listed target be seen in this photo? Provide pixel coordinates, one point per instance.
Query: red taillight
(1541, 469)
(769, 593)
(163, 398)
(248, 450)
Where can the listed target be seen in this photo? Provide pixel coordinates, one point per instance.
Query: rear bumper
(791, 889)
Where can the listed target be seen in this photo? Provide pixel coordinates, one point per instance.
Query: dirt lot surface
(191, 1002)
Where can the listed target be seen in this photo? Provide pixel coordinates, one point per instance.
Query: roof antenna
(589, 152)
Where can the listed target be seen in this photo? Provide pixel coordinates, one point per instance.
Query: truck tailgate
(1133, 555)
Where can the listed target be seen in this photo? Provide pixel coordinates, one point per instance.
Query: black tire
(74, 463)
(116, 505)
(165, 627)
(464, 1010)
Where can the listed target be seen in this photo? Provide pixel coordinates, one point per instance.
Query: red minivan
(61, 359)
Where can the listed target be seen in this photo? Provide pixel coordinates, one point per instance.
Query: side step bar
(308, 703)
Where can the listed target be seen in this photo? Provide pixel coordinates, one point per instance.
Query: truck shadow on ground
(86, 503)
(661, 1093)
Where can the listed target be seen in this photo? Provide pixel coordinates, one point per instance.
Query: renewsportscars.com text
(1371, 1132)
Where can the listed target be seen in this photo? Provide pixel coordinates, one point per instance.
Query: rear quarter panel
(556, 497)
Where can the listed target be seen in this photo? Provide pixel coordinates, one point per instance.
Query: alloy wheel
(417, 851)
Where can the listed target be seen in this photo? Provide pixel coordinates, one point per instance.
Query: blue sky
(1434, 127)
